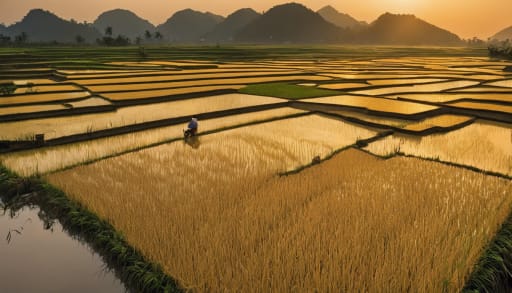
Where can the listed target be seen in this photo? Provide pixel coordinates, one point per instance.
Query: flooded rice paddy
(38, 258)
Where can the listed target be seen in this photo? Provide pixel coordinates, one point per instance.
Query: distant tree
(79, 39)
(121, 41)
(475, 42)
(148, 35)
(142, 52)
(158, 36)
(5, 40)
(138, 40)
(21, 38)
(500, 48)
(108, 31)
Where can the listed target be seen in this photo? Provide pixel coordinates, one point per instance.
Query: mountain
(189, 26)
(503, 34)
(395, 29)
(44, 26)
(340, 19)
(123, 22)
(290, 23)
(226, 30)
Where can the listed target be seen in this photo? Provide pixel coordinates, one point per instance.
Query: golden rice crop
(503, 83)
(385, 121)
(43, 160)
(24, 82)
(174, 77)
(404, 81)
(29, 109)
(393, 75)
(483, 106)
(128, 73)
(148, 94)
(341, 86)
(63, 126)
(487, 146)
(197, 83)
(45, 88)
(444, 121)
(375, 104)
(39, 98)
(218, 219)
(433, 87)
(484, 90)
(447, 97)
(90, 102)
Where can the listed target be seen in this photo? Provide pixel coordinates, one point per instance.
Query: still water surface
(34, 259)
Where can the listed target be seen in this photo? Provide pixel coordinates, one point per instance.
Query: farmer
(192, 126)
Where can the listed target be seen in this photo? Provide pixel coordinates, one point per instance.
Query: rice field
(197, 83)
(46, 88)
(365, 118)
(44, 160)
(441, 121)
(486, 146)
(433, 87)
(64, 126)
(284, 233)
(29, 109)
(503, 83)
(42, 98)
(178, 77)
(375, 104)
(404, 81)
(163, 72)
(451, 97)
(151, 94)
(281, 200)
(483, 106)
(342, 86)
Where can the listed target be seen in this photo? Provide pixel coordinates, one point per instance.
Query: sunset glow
(465, 18)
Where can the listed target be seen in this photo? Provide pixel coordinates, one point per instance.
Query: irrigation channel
(58, 263)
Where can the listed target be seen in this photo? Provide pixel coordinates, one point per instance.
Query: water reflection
(38, 256)
(193, 142)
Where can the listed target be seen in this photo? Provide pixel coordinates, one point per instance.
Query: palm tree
(108, 31)
(21, 38)
(147, 35)
(79, 39)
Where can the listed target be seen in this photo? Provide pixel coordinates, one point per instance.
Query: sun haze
(481, 18)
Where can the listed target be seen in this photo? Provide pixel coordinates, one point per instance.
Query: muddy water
(37, 260)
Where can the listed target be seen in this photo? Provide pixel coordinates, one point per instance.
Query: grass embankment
(493, 272)
(286, 90)
(130, 266)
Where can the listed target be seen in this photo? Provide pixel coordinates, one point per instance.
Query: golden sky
(466, 18)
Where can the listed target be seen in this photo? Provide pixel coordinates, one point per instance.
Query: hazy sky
(466, 18)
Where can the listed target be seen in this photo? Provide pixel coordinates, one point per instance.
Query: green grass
(285, 90)
(493, 272)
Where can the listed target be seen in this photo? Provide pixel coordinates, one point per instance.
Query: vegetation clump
(501, 48)
(286, 90)
(7, 89)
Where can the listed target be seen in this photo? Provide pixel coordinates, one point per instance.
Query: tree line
(500, 48)
(109, 39)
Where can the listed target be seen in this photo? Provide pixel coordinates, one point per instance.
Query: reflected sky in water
(39, 260)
